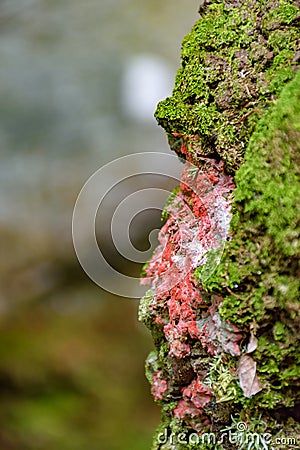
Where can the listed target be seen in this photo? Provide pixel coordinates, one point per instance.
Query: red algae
(193, 236)
(198, 223)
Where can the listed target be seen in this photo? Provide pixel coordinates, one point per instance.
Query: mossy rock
(235, 62)
(237, 99)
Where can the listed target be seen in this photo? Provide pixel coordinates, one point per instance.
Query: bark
(227, 334)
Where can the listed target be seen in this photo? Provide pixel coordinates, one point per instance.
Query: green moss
(282, 40)
(144, 268)
(203, 272)
(266, 222)
(254, 432)
(223, 380)
(258, 276)
(279, 331)
(284, 14)
(144, 314)
(170, 200)
(228, 69)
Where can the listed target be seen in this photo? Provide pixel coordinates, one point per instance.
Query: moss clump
(259, 271)
(235, 62)
(222, 378)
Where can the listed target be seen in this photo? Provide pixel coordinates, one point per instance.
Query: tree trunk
(225, 366)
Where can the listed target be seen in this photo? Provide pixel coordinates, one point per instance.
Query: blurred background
(79, 81)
